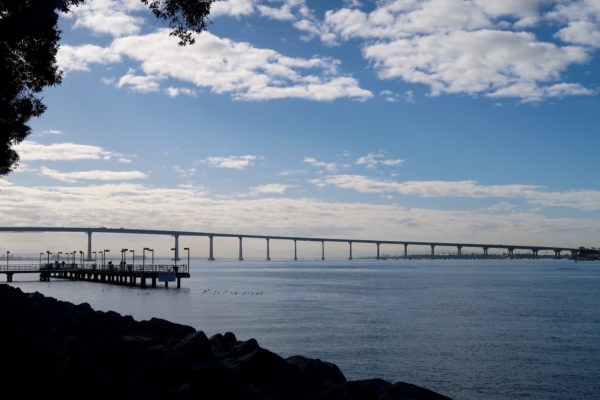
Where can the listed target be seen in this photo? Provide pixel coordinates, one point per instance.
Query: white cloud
(582, 19)
(49, 132)
(231, 162)
(588, 200)
(471, 47)
(111, 17)
(372, 160)
(232, 8)
(409, 97)
(178, 91)
(483, 61)
(224, 66)
(79, 58)
(97, 175)
(173, 208)
(139, 83)
(33, 151)
(185, 172)
(329, 166)
(270, 188)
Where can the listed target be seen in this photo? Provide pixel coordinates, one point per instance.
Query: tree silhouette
(28, 45)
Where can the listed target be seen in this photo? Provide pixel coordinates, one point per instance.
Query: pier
(124, 275)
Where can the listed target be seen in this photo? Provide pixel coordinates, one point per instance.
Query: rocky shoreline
(61, 350)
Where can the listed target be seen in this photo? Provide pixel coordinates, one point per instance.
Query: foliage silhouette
(28, 45)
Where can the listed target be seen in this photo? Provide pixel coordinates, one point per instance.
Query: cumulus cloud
(96, 175)
(483, 61)
(79, 58)
(582, 19)
(225, 66)
(473, 47)
(231, 162)
(109, 16)
(139, 83)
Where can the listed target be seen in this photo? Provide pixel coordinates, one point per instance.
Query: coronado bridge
(485, 247)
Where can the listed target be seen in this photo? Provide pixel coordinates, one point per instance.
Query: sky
(448, 120)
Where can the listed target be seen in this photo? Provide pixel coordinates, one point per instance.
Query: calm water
(470, 329)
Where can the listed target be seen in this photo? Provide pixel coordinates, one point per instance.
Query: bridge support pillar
(176, 249)
(557, 254)
(268, 252)
(485, 251)
(89, 247)
(241, 255)
(322, 250)
(535, 253)
(211, 254)
(459, 251)
(405, 251)
(432, 251)
(295, 250)
(511, 253)
(574, 254)
(350, 244)
(378, 256)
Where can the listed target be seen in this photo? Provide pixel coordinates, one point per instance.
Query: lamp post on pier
(95, 258)
(144, 257)
(58, 256)
(81, 258)
(132, 251)
(104, 257)
(175, 256)
(41, 254)
(48, 252)
(152, 250)
(188, 257)
(7, 254)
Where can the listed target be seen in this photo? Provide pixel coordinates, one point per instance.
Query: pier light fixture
(132, 258)
(81, 258)
(104, 256)
(41, 254)
(58, 256)
(174, 254)
(188, 257)
(152, 250)
(48, 252)
(144, 257)
(7, 254)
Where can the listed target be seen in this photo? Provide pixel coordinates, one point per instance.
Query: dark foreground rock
(60, 350)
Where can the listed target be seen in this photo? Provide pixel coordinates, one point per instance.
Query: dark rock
(317, 369)
(368, 389)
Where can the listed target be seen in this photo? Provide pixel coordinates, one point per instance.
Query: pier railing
(117, 268)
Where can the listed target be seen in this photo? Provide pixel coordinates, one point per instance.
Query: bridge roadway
(211, 235)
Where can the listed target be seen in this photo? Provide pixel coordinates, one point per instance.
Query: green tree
(28, 44)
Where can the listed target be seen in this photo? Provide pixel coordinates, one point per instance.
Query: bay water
(470, 329)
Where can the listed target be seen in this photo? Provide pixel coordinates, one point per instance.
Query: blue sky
(439, 119)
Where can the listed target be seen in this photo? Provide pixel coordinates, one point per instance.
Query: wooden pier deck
(124, 275)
